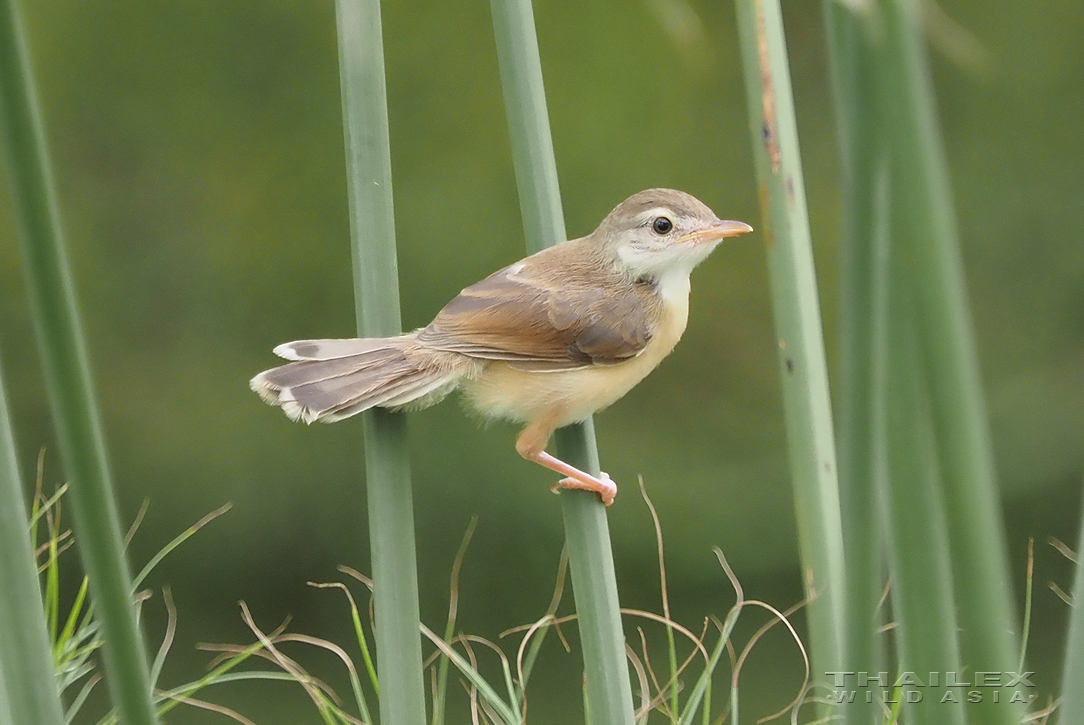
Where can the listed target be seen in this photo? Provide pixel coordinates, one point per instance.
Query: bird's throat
(672, 286)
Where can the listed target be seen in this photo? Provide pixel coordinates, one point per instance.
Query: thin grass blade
(551, 611)
(52, 584)
(359, 633)
(39, 509)
(440, 687)
(72, 621)
(688, 715)
(506, 711)
(79, 699)
(177, 541)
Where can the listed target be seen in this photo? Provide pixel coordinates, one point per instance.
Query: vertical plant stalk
(594, 583)
(796, 311)
(1072, 685)
(376, 294)
(922, 595)
(926, 235)
(67, 373)
(852, 58)
(26, 659)
(6, 717)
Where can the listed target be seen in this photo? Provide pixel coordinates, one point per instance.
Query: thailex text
(944, 687)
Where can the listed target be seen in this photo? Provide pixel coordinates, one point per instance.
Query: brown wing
(539, 320)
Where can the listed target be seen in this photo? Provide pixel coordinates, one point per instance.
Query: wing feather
(522, 315)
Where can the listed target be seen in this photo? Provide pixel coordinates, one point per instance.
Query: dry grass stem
(474, 709)
(738, 591)
(884, 595)
(229, 649)
(323, 644)
(457, 564)
(368, 583)
(1043, 715)
(1028, 588)
(356, 574)
(312, 686)
(167, 638)
(62, 537)
(688, 660)
(1063, 549)
(779, 617)
(204, 705)
(545, 621)
(369, 666)
(551, 611)
(649, 670)
(1062, 595)
(137, 521)
(641, 677)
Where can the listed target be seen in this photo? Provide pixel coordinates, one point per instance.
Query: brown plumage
(546, 341)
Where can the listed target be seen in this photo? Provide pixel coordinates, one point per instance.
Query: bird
(544, 342)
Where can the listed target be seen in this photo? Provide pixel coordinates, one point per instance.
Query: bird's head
(662, 231)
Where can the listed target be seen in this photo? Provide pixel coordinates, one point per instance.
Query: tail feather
(310, 372)
(332, 349)
(385, 373)
(421, 391)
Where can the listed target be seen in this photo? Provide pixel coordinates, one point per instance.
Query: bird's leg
(531, 445)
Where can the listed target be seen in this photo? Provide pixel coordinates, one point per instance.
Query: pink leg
(577, 479)
(530, 445)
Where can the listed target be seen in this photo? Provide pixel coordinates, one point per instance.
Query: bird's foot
(603, 486)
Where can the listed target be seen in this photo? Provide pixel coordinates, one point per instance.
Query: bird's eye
(662, 225)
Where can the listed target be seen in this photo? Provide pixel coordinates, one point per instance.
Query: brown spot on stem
(765, 198)
(767, 92)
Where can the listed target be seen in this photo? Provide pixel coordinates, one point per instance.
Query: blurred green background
(197, 149)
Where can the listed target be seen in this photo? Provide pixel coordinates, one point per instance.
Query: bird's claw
(603, 486)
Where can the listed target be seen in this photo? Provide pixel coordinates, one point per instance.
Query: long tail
(334, 379)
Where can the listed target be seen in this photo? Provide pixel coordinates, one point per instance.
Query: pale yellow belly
(501, 391)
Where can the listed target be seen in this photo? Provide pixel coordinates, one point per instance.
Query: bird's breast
(501, 391)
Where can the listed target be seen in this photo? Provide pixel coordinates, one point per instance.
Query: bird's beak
(719, 230)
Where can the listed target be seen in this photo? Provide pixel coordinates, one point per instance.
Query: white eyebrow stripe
(646, 216)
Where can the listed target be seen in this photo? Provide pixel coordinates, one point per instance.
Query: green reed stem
(796, 310)
(594, 584)
(921, 200)
(1072, 683)
(922, 596)
(376, 293)
(852, 54)
(26, 661)
(67, 374)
